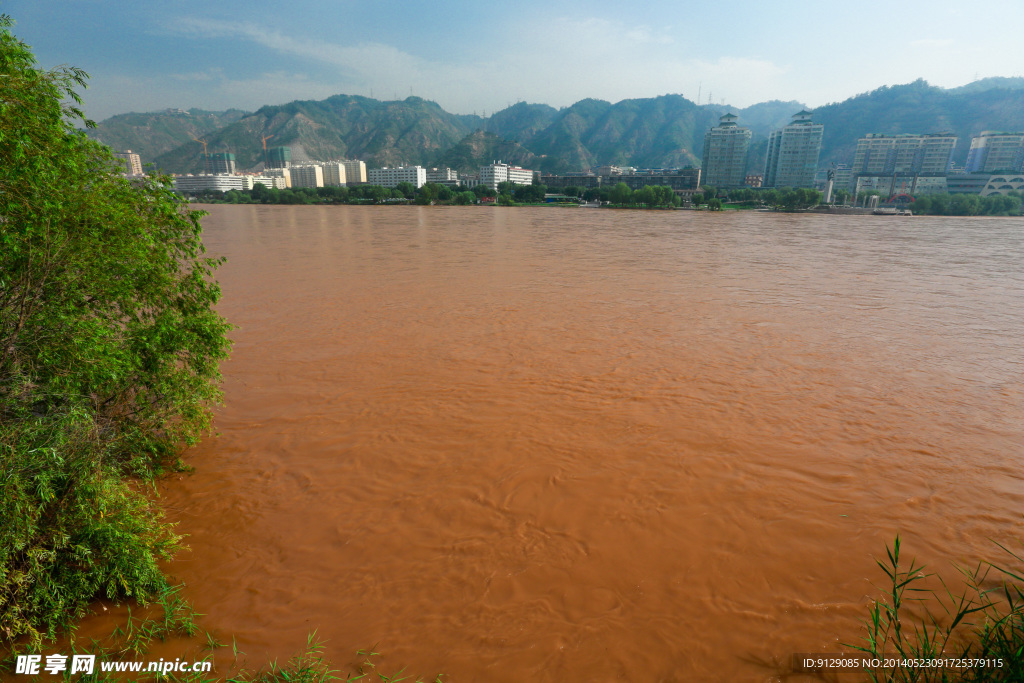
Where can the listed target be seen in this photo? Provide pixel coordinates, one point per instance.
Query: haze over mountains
(659, 132)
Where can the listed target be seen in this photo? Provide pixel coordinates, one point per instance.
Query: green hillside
(917, 108)
(410, 131)
(482, 147)
(150, 135)
(660, 132)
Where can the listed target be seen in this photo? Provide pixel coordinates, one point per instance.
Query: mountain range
(657, 132)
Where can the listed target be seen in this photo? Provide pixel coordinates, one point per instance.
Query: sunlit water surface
(588, 445)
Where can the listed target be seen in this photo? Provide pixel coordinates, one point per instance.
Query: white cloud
(931, 43)
(558, 62)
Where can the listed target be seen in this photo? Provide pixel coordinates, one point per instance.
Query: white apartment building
(495, 173)
(271, 182)
(355, 170)
(334, 173)
(520, 176)
(391, 177)
(724, 161)
(220, 182)
(307, 176)
(793, 153)
(993, 152)
(132, 162)
(906, 153)
(443, 176)
(283, 173)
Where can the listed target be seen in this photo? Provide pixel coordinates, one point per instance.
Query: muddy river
(583, 445)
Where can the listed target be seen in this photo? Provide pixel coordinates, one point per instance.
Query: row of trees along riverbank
(109, 352)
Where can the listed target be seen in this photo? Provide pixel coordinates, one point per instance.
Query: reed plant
(981, 624)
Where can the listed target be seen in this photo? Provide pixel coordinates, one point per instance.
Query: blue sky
(481, 57)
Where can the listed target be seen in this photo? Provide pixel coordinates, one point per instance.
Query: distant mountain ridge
(154, 133)
(657, 132)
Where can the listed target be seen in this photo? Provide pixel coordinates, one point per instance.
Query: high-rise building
(307, 176)
(334, 173)
(725, 153)
(355, 171)
(993, 152)
(279, 157)
(906, 153)
(132, 162)
(793, 153)
(220, 162)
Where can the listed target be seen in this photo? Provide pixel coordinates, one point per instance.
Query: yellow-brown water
(580, 445)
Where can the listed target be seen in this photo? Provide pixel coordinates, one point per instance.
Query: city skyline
(474, 59)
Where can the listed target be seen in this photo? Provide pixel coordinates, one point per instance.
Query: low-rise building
(682, 180)
(967, 183)
(443, 176)
(270, 182)
(585, 180)
(191, 184)
(495, 173)
(391, 177)
(902, 183)
(283, 173)
(1003, 183)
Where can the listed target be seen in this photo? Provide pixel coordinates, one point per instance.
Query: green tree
(109, 353)
(444, 193)
(529, 193)
(621, 194)
(427, 194)
(407, 189)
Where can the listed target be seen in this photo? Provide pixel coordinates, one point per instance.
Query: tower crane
(206, 157)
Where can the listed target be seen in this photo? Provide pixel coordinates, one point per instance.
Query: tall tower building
(221, 162)
(725, 153)
(992, 152)
(307, 176)
(355, 170)
(793, 153)
(334, 173)
(132, 162)
(279, 157)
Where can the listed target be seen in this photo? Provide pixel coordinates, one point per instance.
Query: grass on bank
(984, 621)
(172, 617)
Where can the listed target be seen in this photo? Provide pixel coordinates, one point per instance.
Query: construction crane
(266, 162)
(206, 157)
